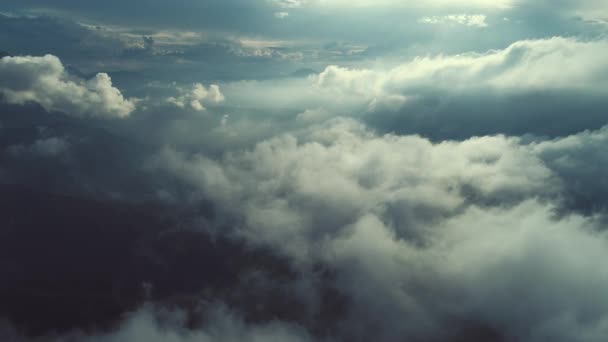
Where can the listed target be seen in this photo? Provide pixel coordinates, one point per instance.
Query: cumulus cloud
(470, 281)
(45, 81)
(195, 97)
(531, 86)
(556, 63)
(330, 176)
(434, 240)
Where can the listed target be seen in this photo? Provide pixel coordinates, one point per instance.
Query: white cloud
(420, 232)
(432, 83)
(197, 96)
(44, 80)
(281, 15)
(475, 20)
(311, 116)
(336, 173)
(556, 63)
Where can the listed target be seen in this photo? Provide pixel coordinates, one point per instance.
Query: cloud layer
(303, 170)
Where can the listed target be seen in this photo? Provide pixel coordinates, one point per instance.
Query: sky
(303, 170)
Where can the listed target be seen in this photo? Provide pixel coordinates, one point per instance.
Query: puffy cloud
(556, 63)
(433, 240)
(44, 80)
(470, 281)
(196, 97)
(531, 86)
(300, 185)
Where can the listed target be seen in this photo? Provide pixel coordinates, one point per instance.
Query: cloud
(334, 174)
(281, 15)
(289, 3)
(223, 326)
(578, 160)
(476, 20)
(454, 196)
(195, 98)
(47, 147)
(529, 87)
(556, 63)
(469, 281)
(433, 240)
(156, 324)
(44, 80)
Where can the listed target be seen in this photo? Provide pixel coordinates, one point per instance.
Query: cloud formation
(549, 64)
(196, 97)
(44, 80)
(530, 87)
(423, 236)
(303, 170)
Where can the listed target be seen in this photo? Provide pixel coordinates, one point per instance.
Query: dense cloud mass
(303, 170)
(411, 220)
